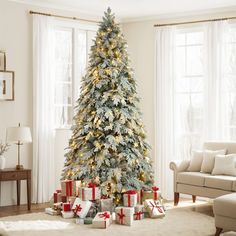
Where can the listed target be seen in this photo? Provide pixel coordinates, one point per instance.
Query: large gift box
(155, 209)
(81, 208)
(92, 192)
(67, 214)
(124, 215)
(139, 212)
(130, 198)
(70, 187)
(154, 194)
(106, 204)
(102, 220)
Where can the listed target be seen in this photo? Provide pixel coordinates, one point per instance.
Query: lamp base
(19, 167)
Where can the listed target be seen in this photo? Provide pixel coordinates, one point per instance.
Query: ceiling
(127, 10)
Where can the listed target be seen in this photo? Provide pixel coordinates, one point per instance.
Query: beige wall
(140, 38)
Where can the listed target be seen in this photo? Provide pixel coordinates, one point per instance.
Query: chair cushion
(192, 178)
(223, 182)
(225, 205)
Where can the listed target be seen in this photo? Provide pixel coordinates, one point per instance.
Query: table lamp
(19, 135)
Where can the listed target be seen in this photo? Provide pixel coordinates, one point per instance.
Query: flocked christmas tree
(108, 141)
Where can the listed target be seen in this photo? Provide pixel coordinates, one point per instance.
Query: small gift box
(57, 196)
(79, 221)
(102, 220)
(106, 204)
(92, 192)
(51, 211)
(139, 212)
(155, 209)
(67, 214)
(66, 206)
(154, 194)
(70, 187)
(124, 215)
(81, 208)
(130, 198)
(88, 220)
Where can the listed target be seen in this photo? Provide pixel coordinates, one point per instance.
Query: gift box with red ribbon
(92, 192)
(67, 214)
(66, 206)
(124, 215)
(81, 208)
(70, 187)
(102, 220)
(155, 209)
(139, 212)
(154, 194)
(51, 211)
(57, 196)
(130, 198)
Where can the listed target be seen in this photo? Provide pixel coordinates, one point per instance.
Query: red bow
(92, 185)
(138, 215)
(155, 205)
(131, 192)
(105, 214)
(155, 188)
(78, 208)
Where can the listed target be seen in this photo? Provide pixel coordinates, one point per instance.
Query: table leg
(18, 192)
(29, 193)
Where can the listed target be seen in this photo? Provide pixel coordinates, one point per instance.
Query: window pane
(180, 39)
(194, 60)
(180, 61)
(63, 94)
(63, 115)
(195, 38)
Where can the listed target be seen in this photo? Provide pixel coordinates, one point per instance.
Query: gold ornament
(142, 176)
(145, 152)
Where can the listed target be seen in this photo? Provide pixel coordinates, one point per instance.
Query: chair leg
(176, 199)
(194, 198)
(218, 231)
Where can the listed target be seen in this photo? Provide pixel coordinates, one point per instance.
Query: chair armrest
(179, 165)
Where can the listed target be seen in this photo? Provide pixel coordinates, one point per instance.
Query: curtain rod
(59, 16)
(194, 22)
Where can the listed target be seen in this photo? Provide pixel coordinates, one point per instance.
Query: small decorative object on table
(102, 220)
(124, 215)
(67, 214)
(70, 187)
(81, 208)
(3, 149)
(92, 192)
(130, 198)
(139, 212)
(155, 209)
(154, 194)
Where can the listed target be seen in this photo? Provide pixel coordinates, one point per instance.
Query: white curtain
(165, 54)
(43, 109)
(170, 144)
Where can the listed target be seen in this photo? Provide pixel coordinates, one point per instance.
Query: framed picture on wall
(6, 85)
(2, 61)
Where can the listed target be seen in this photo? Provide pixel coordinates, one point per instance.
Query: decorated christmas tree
(108, 139)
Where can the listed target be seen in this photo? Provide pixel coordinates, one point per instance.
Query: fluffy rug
(184, 220)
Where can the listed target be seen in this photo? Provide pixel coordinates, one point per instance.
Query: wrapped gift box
(67, 214)
(102, 220)
(81, 208)
(57, 197)
(124, 215)
(70, 187)
(106, 204)
(155, 209)
(139, 212)
(79, 221)
(66, 206)
(130, 198)
(154, 194)
(92, 192)
(51, 211)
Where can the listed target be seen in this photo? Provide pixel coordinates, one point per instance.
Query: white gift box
(124, 215)
(130, 198)
(67, 214)
(155, 209)
(92, 194)
(79, 221)
(81, 208)
(102, 220)
(139, 212)
(51, 211)
(106, 204)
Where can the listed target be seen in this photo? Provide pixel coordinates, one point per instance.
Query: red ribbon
(138, 215)
(155, 189)
(155, 205)
(68, 188)
(105, 215)
(78, 208)
(129, 193)
(121, 216)
(66, 207)
(93, 186)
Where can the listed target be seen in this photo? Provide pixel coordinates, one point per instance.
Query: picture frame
(7, 85)
(2, 61)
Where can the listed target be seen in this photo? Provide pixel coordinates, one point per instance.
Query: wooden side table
(18, 175)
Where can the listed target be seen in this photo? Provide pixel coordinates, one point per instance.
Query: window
(72, 45)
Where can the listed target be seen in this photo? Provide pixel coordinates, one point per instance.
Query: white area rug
(184, 220)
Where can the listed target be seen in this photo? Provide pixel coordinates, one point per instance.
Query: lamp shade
(19, 134)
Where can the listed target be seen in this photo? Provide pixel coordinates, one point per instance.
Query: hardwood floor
(22, 209)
